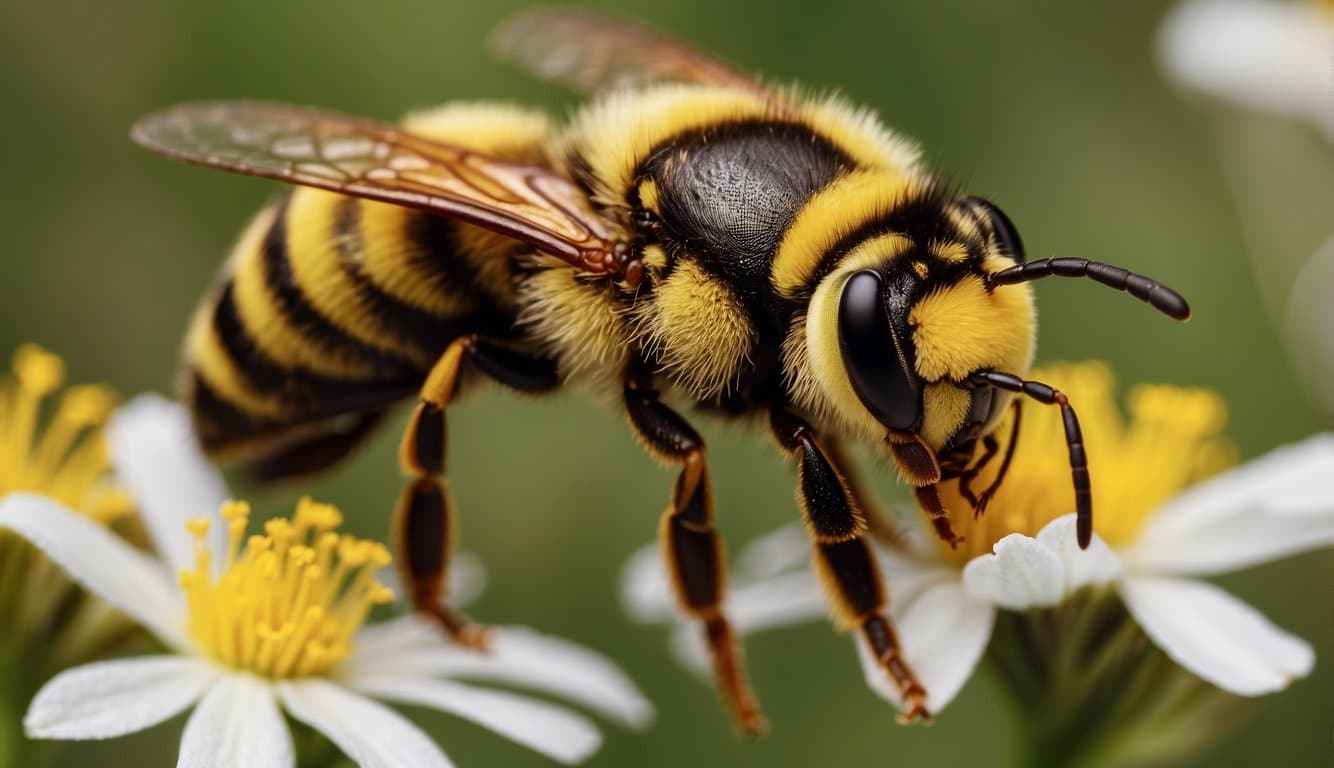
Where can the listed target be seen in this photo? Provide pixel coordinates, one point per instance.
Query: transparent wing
(366, 159)
(592, 52)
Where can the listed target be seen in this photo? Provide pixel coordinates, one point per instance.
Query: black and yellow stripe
(330, 306)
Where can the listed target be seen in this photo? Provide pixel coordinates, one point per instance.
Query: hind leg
(692, 547)
(424, 519)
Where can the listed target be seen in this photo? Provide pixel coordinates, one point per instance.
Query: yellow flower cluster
(1173, 440)
(68, 459)
(287, 602)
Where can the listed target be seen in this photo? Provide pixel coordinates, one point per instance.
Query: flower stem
(1092, 692)
(15, 748)
(314, 749)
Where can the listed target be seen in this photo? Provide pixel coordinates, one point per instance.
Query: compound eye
(1007, 237)
(878, 353)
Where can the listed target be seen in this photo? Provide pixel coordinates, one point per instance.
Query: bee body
(331, 308)
(690, 235)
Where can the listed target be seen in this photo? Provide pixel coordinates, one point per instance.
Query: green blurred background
(1055, 110)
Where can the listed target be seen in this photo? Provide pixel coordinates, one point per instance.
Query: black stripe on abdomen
(290, 301)
(427, 332)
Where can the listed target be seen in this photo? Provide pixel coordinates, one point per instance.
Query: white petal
(555, 732)
(388, 641)
(783, 600)
(113, 698)
(237, 724)
(1022, 574)
(1309, 323)
(645, 593)
(781, 550)
(467, 579)
(943, 633)
(1216, 636)
(101, 562)
(778, 601)
(1266, 55)
(369, 733)
(1082, 567)
(158, 460)
(910, 571)
(690, 648)
(518, 656)
(1273, 506)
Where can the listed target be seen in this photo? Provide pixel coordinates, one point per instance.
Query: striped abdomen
(330, 309)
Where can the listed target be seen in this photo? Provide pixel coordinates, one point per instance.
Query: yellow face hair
(962, 327)
(958, 328)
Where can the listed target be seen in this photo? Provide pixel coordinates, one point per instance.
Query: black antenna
(1159, 296)
(1074, 440)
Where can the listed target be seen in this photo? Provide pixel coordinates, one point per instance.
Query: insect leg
(920, 467)
(1074, 440)
(985, 498)
(880, 522)
(424, 519)
(691, 547)
(966, 476)
(843, 558)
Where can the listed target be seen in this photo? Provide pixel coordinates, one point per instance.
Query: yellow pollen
(1173, 440)
(63, 455)
(288, 603)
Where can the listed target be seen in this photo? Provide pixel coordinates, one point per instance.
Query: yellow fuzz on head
(67, 460)
(962, 328)
(1173, 439)
(286, 603)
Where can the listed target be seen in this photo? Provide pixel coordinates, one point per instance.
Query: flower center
(1173, 439)
(66, 460)
(286, 603)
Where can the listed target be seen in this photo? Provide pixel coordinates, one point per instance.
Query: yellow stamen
(1173, 439)
(289, 603)
(63, 456)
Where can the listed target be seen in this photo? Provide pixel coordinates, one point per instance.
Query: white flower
(1274, 58)
(945, 602)
(273, 624)
(1270, 56)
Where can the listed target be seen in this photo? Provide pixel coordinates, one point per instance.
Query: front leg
(691, 547)
(843, 559)
(880, 522)
(990, 447)
(424, 519)
(919, 465)
(990, 491)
